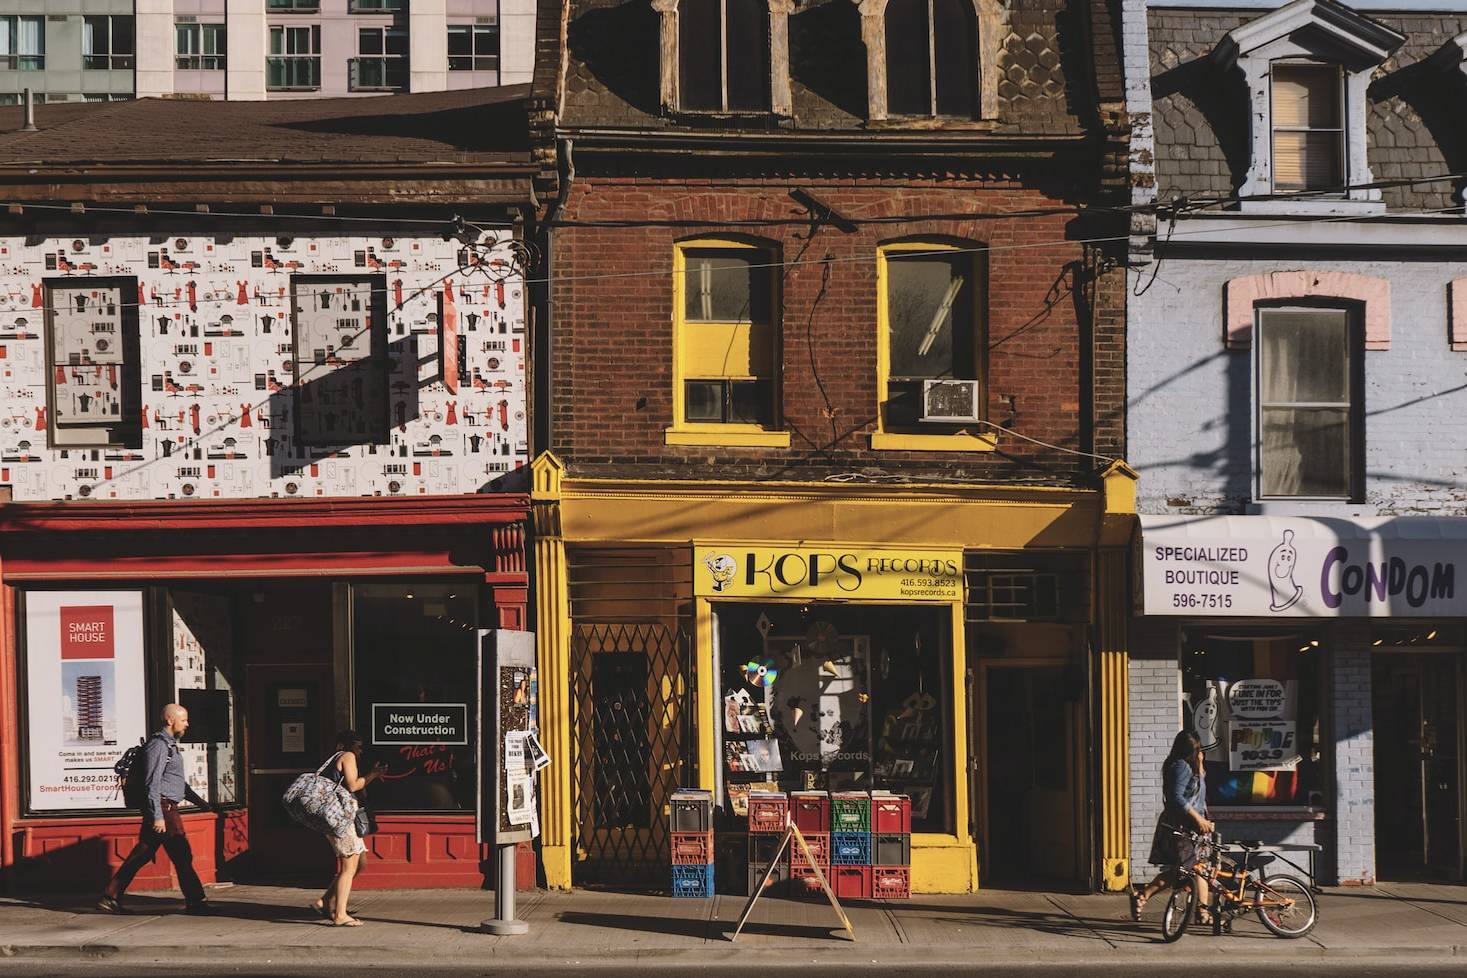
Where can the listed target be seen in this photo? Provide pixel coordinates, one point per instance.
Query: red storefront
(278, 622)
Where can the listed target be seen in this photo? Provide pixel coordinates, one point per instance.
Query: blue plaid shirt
(165, 775)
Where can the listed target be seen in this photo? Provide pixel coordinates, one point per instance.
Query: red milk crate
(810, 811)
(891, 813)
(804, 882)
(891, 882)
(692, 848)
(768, 812)
(819, 843)
(851, 882)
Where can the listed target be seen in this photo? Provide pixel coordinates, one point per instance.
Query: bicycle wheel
(1288, 908)
(1178, 913)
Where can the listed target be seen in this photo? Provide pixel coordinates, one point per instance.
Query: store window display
(1253, 698)
(837, 697)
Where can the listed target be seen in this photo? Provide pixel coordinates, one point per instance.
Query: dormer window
(1306, 67)
(723, 55)
(1308, 128)
(931, 58)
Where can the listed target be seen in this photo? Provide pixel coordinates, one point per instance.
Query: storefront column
(1354, 752)
(1113, 686)
(552, 629)
(9, 735)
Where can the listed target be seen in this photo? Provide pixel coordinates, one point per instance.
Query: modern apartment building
(97, 50)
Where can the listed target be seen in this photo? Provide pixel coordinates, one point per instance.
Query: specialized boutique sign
(85, 694)
(734, 570)
(395, 724)
(1263, 566)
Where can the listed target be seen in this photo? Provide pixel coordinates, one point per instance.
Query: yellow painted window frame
(683, 432)
(982, 440)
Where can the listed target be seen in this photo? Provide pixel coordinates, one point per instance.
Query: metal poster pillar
(510, 755)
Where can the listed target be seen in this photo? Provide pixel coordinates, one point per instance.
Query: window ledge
(945, 122)
(727, 435)
(1305, 508)
(1312, 207)
(962, 441)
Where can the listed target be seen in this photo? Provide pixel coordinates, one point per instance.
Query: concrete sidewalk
(264, 924)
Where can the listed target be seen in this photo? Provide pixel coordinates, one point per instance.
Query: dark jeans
(174, 842)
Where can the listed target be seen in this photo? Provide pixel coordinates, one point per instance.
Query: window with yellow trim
(725, 335)
(933, 328)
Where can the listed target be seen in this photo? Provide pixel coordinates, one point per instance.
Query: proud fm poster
(85, 688)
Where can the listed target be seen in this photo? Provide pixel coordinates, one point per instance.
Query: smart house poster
(86, 697)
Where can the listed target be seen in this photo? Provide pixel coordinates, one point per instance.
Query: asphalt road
(812, 968)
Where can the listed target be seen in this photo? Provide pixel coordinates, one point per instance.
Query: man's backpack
(132, 776)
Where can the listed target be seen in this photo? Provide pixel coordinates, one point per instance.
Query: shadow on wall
(495, 127)
(1221, 98)
(606, 39)
(1436, 96)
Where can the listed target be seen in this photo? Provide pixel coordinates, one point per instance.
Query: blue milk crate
(693, 882)
(850, 848)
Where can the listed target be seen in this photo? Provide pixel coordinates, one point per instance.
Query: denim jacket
(1183, 791)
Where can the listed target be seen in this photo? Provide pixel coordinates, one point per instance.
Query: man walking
(162, 826)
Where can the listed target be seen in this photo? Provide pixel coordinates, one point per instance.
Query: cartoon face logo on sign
(722, 567)
(1281, 586)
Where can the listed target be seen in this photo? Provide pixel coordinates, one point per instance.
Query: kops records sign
(733, 570)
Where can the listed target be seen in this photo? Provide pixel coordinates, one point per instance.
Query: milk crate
(691, 811)
(762, 846)
(891, 813)
(850, 811)
(891, 882)
(804, 882)
(850, 848)
(819, 843)
(692, 848)
(851, 882)
(891, 849)
(768, 811)
(777, 879)
(693, 882)
(810, 811)
(732, 859)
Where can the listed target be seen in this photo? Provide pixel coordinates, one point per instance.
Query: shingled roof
(1414, 125)
(484, 126)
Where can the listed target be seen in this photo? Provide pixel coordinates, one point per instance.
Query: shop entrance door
(1418, 764)
(1028, 777)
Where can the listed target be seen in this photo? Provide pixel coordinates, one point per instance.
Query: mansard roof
(1324, 27)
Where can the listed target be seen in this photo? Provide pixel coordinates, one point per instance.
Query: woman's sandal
(348, 922)
(1138, 903)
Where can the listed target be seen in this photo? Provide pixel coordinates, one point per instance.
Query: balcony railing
(374, 6)
(293, 6)
(199, 62)
(293, 72)
(22, 62)
(107, 62)
(476, 62)
(378, 74)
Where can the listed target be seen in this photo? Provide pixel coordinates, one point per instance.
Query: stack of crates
(691, 841)
(768, 817)
(891, 847)
(810, 811)
(850, 844)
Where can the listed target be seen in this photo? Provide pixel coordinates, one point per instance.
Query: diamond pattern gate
(632, 701)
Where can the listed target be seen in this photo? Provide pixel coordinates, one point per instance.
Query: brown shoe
(108, 904)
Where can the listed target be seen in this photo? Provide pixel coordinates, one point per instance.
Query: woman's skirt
(1169, 849)
(347, 842)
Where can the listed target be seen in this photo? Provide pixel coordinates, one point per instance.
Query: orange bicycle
(1284, 904)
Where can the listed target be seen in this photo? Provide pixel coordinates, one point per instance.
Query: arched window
(931, 58)
(723, 55)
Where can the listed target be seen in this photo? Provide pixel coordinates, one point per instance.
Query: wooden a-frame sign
(791, 832)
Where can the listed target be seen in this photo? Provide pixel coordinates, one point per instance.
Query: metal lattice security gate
(632, 692)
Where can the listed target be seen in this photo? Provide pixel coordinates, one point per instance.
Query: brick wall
(1155, 706)
(1353, 750)
(612, 314)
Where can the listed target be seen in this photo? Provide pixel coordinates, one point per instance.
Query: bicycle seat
(1248, 843)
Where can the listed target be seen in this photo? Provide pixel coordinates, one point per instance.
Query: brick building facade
(1251, 436)
(870, 219)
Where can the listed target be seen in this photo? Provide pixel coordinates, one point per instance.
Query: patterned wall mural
(220, 403)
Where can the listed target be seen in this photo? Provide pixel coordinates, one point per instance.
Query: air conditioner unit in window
(950, 400)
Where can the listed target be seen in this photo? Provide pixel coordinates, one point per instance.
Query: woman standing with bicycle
(1184, 794)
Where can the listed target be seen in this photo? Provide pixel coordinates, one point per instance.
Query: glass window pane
(748, 54)
(94, 35)
(415, 644)
(460, 40)
(955, 37)
(486, 40)
(725, 287)
(187, 38)
(395, 42)
(703, 400)
(1306, 97)
(1306, 452)
(32, 37)
(369, 41)
(1305, 355)
(700, 50)
(908, 66)
(930, 314)
(750, 402)
(1306, 160)
(214, 39)
(122, 35)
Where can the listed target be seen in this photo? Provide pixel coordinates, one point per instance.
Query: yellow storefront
(963, 645)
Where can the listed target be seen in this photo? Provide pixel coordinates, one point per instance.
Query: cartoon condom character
(1281, 563)
(723, 568)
